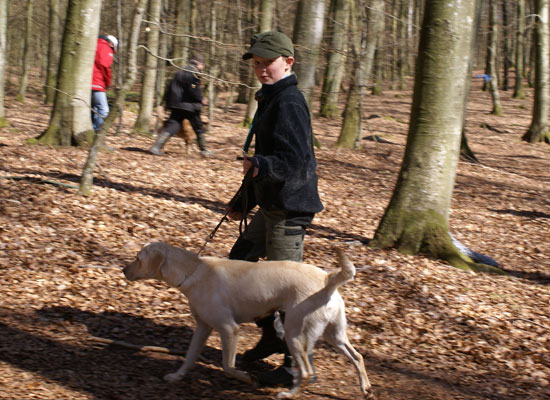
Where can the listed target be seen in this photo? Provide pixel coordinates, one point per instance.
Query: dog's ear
(178, 265)
(154, 258)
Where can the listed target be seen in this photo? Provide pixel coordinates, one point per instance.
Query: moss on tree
(424, 232)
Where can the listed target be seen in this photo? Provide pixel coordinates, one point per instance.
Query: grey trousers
(276, 235)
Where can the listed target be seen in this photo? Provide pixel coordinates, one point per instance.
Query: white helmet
(113, 40)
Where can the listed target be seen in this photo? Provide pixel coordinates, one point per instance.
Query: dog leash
(242, 192)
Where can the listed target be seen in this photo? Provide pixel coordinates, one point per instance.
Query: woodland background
(427, 330)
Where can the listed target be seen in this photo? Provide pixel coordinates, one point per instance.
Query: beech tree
(148, 83)
(350, 134)
(492, 58)
(27, 51)
(86, 180)
(465, 150)
(340, 9)
(538, 131)
(519, 92)
(266, 23)
(308, 33)
(186, 10)
(55, 25)
(417, 217)
(3, 42)
(70, 121)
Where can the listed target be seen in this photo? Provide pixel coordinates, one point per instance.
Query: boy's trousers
(276, 235)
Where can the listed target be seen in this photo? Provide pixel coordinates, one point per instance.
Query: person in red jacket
(101, 78)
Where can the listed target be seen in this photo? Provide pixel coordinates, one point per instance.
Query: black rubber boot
(162, 138)
(271, 341)
(201, 140)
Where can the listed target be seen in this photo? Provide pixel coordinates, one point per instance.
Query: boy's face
(270, 70)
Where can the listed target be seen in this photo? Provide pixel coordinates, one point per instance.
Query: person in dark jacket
(101, 78)
(284, 181)
(183, 97)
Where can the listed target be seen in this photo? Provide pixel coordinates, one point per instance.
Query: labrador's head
(147, 264)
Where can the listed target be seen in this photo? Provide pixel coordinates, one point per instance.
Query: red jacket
(101, 78)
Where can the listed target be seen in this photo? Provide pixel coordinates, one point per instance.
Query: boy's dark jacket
(284, 153)
(184, 91)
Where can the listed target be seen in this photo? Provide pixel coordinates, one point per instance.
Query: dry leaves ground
(427, 331)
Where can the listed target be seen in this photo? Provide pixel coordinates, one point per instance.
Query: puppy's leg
(197, 344)
(298, 350)
(335, 334)
(229, 335)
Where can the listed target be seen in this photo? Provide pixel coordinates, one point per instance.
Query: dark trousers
(173, 124)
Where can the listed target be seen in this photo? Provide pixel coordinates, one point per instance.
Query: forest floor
(427, 330)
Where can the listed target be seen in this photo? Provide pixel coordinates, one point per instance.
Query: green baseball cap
(271, 44)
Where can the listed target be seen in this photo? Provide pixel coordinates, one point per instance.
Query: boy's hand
(235, 215)
(247, 164)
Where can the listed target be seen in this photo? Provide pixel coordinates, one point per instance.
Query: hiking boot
(207, 153)
(271, 341)
(285, 374)
(281, 376)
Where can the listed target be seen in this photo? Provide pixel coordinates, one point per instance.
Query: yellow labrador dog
(224, 293)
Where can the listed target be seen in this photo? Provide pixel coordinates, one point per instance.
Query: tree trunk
(375, 29)
(377, 88)
(492, 58)
(3, 56)
(506, 45)
(350, 134)
(27, 51)
(519, 92)
(336, 57)
(466, 152)
(538, 132)
(266, 23)
(416, 219)
(308, 33)
(181, 40)
(120, 67)
(54, 50)
(70, 121)
(531, 61)
(147, 102)
(161, 75)
(214, 66)
(86, 180)
(244, 70)
(402, 44)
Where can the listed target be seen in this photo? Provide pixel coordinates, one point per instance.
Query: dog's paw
(284, 395)
(173, 377)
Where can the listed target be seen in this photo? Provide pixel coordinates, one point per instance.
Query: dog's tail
(346, 273)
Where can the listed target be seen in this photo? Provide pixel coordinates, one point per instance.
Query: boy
(284, 182)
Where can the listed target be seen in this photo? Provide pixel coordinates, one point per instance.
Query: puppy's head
(147, 264)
